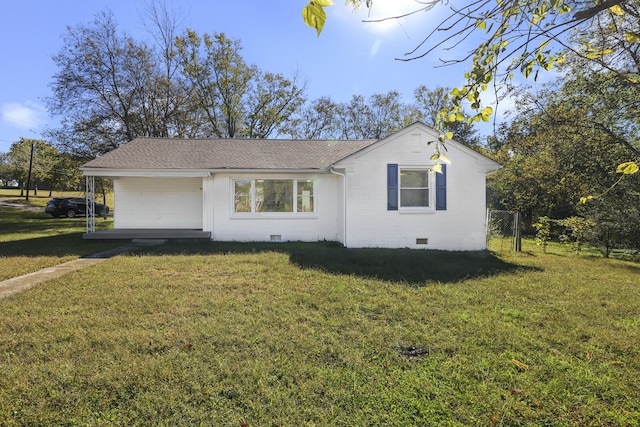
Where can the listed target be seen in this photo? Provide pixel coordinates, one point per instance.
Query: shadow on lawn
(63, 236)
(57, 246)
(413, 267)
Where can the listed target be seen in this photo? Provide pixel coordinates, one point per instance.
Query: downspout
(344, 204)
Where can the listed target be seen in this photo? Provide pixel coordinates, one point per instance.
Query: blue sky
(350, 57)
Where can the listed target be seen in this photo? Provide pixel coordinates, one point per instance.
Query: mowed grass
(315, 334)
(32, 240)
(41, 199)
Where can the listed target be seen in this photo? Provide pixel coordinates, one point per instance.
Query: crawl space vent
(422, 241)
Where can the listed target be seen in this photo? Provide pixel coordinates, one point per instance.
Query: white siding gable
(460, 227)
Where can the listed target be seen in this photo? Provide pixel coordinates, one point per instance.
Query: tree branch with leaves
(518, 37)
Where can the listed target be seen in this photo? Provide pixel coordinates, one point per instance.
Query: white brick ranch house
(362, 193)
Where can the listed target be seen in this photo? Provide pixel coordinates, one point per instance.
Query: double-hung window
(414, 188)
(273, 195)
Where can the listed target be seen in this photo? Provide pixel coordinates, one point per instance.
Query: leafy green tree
(375, 118)
(428, 105)
(562, 144)
(219, 78)
(272, 103)
(543, 232)
(317, 119)
(65, 173)
(6, 174)
(31, 156)
(548, 165)
(578, 231)
(616, 217)
(110, 88)
(100, 89)
(235, 99)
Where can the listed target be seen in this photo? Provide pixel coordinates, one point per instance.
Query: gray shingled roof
(168, 153)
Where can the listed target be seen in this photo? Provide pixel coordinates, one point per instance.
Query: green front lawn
(32, 240)
(41, 199)
(314, 334)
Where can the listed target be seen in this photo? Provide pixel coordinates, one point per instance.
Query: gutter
(492, 172)
(168, 172)
(344, 204)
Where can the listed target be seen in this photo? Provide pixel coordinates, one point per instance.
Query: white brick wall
(325, 224)
(158, 203)
(370, 224)
(206, 203)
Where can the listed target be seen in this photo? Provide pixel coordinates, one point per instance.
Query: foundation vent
(276, 238)
(422, 241)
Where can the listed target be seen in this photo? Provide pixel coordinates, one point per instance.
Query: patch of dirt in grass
(413, 352)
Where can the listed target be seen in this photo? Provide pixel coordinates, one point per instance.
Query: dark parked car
(72, 206)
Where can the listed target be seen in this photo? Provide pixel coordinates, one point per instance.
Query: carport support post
(89, 191)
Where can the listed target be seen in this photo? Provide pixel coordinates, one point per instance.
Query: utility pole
(30, 167)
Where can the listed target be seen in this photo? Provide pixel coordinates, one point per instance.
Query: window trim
(252, 196)
(431, 188)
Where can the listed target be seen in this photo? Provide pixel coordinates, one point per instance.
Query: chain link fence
(503, 231)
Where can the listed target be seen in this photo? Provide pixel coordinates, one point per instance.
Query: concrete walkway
(21, 283)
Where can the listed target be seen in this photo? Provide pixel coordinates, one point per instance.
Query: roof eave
(148, 173)
(190, 173)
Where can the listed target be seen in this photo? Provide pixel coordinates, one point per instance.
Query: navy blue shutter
(441, 189)
(392, 187)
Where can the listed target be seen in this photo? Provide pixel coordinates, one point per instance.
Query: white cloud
(27, 116)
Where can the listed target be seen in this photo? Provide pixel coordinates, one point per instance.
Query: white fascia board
(489, 168)
(269, 171)
(146, 173)
(191, 173)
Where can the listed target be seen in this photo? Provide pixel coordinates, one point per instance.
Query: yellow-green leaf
(616, 9)
(444, 158)
(449, 135)
(314, 15)
(632, 37)
(486, 113)
(436, 168)
(627, 168)
(520, 365)
(596, 54)
(584, 200)
(482, 24)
